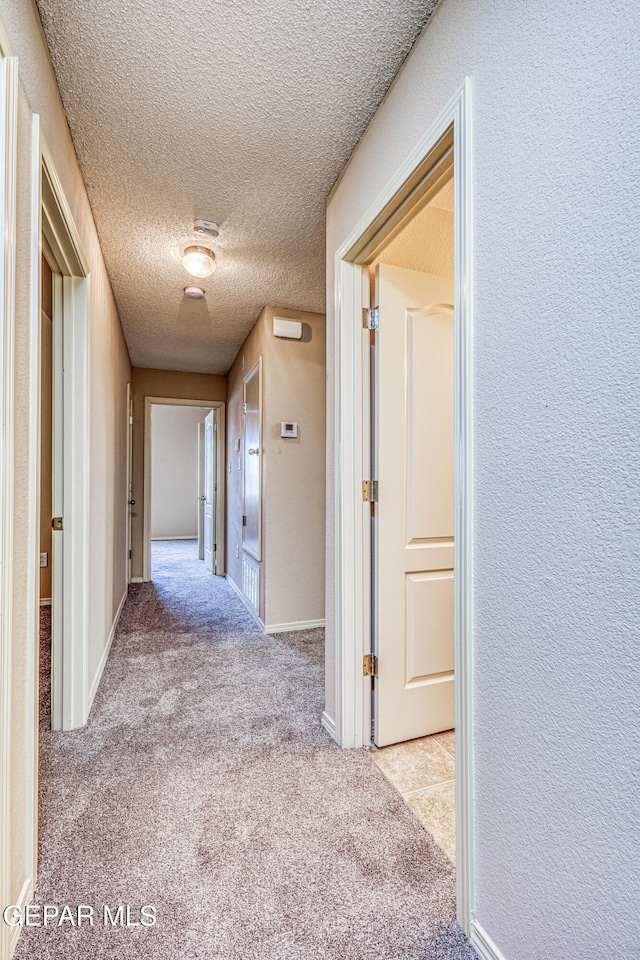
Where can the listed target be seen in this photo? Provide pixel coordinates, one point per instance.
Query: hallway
(205, 786)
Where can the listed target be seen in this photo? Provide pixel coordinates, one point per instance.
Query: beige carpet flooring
(204, 785)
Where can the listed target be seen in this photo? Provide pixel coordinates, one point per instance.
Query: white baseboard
(483, 944)
(295, 625)
(329, 725)
(137, 580)
(244, 600)
(26, 896)
(104, 657)
(184, 536)
(46, 602)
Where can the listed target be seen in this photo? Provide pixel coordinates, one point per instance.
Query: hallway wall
(109, 372)
(555, 299)
(147, 382)
(293, 471)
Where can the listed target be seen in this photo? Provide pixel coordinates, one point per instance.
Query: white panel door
(252, 443)
(413, 533)
(209, 492)
(201, 495)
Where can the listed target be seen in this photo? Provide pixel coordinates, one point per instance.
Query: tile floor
(424, 772)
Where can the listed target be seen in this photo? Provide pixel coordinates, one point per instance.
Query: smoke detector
(194, 293)
(207, 226)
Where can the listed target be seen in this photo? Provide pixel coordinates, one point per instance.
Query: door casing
(219, 409)
(448, 141)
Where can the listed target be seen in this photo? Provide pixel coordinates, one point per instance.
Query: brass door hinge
(370, 665)
(370, 491)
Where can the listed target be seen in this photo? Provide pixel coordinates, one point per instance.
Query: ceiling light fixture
(194, 293)
(199, 261)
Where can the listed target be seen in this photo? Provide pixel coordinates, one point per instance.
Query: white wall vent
(289, 329)
(251, 582)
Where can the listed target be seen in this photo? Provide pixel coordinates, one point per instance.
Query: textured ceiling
(243, 112)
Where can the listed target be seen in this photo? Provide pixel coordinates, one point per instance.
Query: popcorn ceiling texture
(204, 784)
(242, 112)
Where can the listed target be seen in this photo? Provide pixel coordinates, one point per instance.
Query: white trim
(105, 655)
(137, 579)
(13, 933)
(328, 724)
(294, 625)
(483, 944)
(33, 523)
(186, 536)
(215, 405)
(351, 558)
(8, 193)
(245, 602)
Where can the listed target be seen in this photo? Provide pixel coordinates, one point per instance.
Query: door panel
(201, 488)
(209, 504)
(413, 409)
(252, 450)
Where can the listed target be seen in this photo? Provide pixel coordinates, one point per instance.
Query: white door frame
(55, 235)
(352, 627)
(8, 191)
(218, 407)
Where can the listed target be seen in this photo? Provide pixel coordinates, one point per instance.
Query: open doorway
(412, 528)
(390, 437)
(59, 317)
(46, 484)
(184, 487)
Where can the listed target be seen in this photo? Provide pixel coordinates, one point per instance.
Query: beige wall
(174, 470)
(147, 382)
(293, 471)
(109, 371)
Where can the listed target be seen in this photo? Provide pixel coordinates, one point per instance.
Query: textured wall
(174, 470)
(555, 354)
(293, 478)
(160, 383)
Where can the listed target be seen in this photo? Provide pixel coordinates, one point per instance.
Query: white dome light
(199, 261)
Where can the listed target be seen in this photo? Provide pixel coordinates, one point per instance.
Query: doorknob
(202, 498)
(253, 450)
(131, 502)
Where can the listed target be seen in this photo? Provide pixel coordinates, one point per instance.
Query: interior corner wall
(108, 374)
(293, 470)
(149, 382)
(555, 301)
(174, 471)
